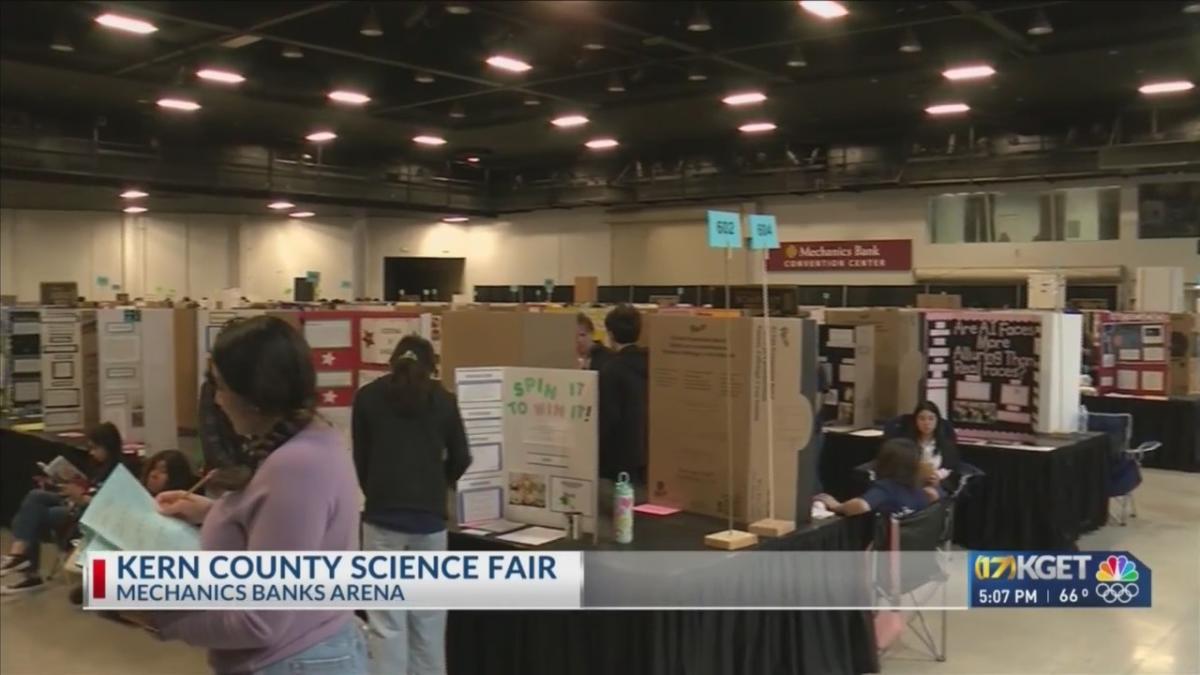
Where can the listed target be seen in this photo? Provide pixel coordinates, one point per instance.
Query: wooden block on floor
(772, 527)
(730, 540)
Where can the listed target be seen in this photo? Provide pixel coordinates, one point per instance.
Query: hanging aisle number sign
(724, 229)
(764, 234)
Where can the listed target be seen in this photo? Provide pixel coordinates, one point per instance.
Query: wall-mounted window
(1070, 214)
(1169, 210)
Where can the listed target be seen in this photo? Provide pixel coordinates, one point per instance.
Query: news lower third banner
(529, 580)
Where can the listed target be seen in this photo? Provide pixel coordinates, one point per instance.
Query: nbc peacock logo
(1117, 568)
(1117, 577)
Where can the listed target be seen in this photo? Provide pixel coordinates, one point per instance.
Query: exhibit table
(1174, 421)
(704, 642)
(1029, 499)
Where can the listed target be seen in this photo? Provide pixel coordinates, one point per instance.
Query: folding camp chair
(1125, 463)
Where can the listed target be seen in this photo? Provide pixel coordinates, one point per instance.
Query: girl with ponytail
(409, 448)
(290, 487)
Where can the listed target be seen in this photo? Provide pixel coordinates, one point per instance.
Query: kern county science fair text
(328, 580)
(526, 580)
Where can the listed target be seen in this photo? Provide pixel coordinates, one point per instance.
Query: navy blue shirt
(408, 521)
(891, 498)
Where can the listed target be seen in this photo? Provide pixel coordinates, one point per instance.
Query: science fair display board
(136, 374)
(1133, 353)
(847, 362)
(533, 439)
(696, 413)
(68, 342)
(23, 360)
(1005, 375)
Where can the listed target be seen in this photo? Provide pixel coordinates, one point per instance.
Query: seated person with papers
(66, 494)
(901, 484)
(291, 487)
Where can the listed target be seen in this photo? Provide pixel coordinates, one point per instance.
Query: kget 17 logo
(1030, 579)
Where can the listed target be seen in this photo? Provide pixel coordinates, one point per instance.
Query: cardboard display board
(475, 338)
(69, 369)
(939, 301)
(1134, 353)
(1185, 354)
(23, 361)
(187, 370)
(984, 370)
(689, 430)
(533, 439)
(136, 383)
(847, 363)
(899, 357)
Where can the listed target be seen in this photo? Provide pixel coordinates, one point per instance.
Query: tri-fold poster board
(68, 387)
(533, 441)
(847, 362)
(137, 364)
(1133, 353)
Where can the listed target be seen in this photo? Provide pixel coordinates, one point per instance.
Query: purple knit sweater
(304, 497)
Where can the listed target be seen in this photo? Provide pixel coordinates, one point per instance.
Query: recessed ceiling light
(825, 10)
(223, 76)
(455, 219)
(350, 97)
(532, 101)
(135, 209)
(569, 121)
(459, 8)
(796, 59)
(699, 22)
(321, 136)
(371, 26)
(178, 104)
(302, 214)
(602, 143)
(424, 78)
(281, 205)
(1168, 87)
(947, 108)
(971, 72)
(615, 84)
(126, 23)
(473, 159)
(292, 52)
(62, 43)
(1041, 24)
(457, 111)
(134, 194)
(744, 98)
(910, 44)
(593, 45)
(1192, 8)
(755, 127)
(509, 63)
(429, 140)
(696, 73)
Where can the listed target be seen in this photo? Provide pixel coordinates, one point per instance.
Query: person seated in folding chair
(935, 436)
(45, 511)
(903, 483)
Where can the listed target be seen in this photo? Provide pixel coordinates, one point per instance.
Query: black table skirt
(669, 642)
(1175, 422)
(19, 455)
(1026, 500)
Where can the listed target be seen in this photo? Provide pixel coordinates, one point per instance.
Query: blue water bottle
(623, 509)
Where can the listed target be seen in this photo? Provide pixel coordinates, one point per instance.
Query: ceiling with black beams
(650, 75)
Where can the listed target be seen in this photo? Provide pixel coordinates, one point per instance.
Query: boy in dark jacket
(623, 398)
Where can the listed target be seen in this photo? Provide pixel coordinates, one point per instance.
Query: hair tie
(410, 355)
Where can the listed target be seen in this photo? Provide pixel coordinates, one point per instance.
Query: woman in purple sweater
(291, 487)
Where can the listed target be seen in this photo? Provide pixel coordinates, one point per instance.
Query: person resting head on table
(903, 483)
(55, 506)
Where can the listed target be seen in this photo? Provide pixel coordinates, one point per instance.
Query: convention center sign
(860, 255)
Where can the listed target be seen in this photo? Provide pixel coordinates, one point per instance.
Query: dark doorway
(431, 279)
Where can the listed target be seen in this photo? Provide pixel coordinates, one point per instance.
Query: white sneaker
(27, 585)
(13, 564)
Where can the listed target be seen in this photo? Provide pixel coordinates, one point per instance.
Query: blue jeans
(40, 511)
(411, 642)
(343, 653)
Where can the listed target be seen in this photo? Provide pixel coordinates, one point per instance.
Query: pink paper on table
(655, 509)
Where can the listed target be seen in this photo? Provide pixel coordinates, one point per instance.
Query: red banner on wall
(863, 255)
